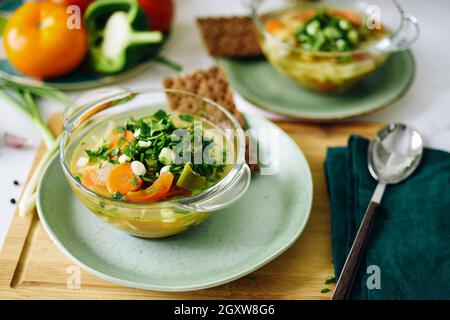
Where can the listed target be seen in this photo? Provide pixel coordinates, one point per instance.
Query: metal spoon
(393, 155)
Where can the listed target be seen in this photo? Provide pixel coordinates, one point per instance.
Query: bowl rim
(183, 202)
(256, 17)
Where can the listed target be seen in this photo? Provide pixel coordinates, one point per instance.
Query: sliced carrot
(274, 25)
(121, 139)
(360, 56)
(304, 16)
(122, 179)
(353, 17)
(91, 179)
(324, 86)
(379, 31)
(156, 192)
(177, 191)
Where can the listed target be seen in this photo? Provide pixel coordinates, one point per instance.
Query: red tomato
(159, 13)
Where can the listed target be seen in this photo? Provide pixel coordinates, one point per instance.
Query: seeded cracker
(212, 84)
(230, 37)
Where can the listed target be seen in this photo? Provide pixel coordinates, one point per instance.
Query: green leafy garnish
(117, 196)
(325, 290)
(159, 143)
(329, 32)
(134, 182)
(330, 279)
(186, 117)
(160, 114)
(101, 153)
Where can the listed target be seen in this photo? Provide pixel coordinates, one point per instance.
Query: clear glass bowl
(335, 71)
(160, 219)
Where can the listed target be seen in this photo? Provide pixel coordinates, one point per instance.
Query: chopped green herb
(101, 153)
(325, 290)
(151, 190)
(118, 196)
(328, 32)
(160, 114)
(159, 129)
(330, 279)
(186, 117)
(134, 182)
(147, 179)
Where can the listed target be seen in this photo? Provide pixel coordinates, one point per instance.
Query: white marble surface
(426, 106)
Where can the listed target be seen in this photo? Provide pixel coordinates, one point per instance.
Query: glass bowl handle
(90, 103)
(227, 196)
(407, 34)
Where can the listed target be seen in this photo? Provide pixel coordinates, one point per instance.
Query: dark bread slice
(211, 84)
(235, 37)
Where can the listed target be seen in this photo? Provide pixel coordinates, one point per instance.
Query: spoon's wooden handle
(351, 266)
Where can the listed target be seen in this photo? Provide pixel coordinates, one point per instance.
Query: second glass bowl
(334, 71)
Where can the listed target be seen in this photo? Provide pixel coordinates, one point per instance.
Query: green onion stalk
(22, 96)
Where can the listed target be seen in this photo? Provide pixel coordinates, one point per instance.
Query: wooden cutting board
(32, 267)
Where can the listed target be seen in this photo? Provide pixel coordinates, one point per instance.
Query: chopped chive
(186, 117)
(330, 279)
(134, 182)
(118, 196)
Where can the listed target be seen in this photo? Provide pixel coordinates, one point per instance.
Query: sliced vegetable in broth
(152, 158)
(324, 30)
(323, 49)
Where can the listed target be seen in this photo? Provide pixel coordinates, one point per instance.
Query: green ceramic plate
(228, 245)
(260, 83)
(82, 78)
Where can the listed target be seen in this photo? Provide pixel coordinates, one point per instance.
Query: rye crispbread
(211, 84)
(230, 36)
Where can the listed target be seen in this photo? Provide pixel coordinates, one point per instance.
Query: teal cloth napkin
(410, 242)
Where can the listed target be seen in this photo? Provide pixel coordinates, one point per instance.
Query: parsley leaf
(186, 117)
(134, 182)
(330, 279)
(101, 153)
(118, 196)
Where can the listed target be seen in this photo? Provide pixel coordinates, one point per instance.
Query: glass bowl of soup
(331, 45)
(147, 169)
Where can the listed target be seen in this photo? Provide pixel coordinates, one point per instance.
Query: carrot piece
(324, 86)
(349, 15)
(121, 139)
(122, 179)
(304, 16)
(360, 56)
(156, 192)
(177, 191)
(274, 25)
(91, 179)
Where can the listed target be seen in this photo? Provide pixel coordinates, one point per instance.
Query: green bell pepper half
(118, 35)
